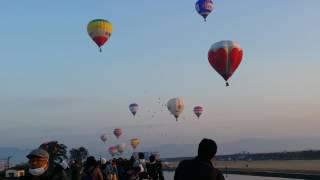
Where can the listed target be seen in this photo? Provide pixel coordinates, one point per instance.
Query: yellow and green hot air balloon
(135, 143)
(100, 31)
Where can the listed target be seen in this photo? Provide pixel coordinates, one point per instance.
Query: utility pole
(8, 162)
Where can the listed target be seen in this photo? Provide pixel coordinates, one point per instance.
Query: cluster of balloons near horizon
(120, 148)
(175, 107)
(224, 56)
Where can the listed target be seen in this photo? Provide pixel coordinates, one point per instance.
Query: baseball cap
(38, 153)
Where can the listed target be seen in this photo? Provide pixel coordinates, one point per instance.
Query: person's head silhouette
(207, 149)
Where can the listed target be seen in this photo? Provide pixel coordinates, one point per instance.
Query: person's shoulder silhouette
(200, 167)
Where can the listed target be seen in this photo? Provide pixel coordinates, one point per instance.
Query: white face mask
(37, 171)
(64, 165)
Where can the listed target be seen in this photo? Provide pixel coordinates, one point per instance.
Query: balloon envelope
(113, 150)
(198, 111)
(117, 132)
(225, 57)
(175, 106)
(135, 142)
(204, 7)
(100, 31)
(103, 138)
(121, 147)
(134, 107)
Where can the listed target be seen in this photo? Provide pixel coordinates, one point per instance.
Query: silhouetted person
(200, 168)
(140, 162)
(154, 169)
(91, 170)
(159, 167)
(75, 170)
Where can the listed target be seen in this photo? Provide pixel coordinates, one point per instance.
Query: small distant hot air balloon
(100, 31)
(198, 111)
(121, 147)
(113, 150)
(117, 132)
(103, 138)
(175, 106)
(134, 107)
(204, 8)
(135, 142)
(225, 57)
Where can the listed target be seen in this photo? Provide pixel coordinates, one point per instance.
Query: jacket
(197, 169)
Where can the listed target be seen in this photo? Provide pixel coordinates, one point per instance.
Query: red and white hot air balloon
(225, 57)
(198, 111)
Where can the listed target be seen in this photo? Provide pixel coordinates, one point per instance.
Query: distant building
(15, 173)
(3, 165)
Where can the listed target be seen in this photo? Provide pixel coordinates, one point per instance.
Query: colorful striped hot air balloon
(198, 111)
(204, 8)
(225, 57)
(100, 31)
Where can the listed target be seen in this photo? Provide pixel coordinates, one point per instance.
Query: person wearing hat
(39, 168)
(201, 166)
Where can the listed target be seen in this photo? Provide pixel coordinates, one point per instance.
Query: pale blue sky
(56, 85)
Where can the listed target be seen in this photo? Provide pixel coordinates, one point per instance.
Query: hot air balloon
(133, 108)
(175, 106)
(225, 57)
(121, 147)
(113, 150)
(198, 111)
(117, 132)
(135, 142)
(204, 8)
(100, 31)
(103, 138)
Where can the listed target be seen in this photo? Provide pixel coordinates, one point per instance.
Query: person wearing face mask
(39, 168)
